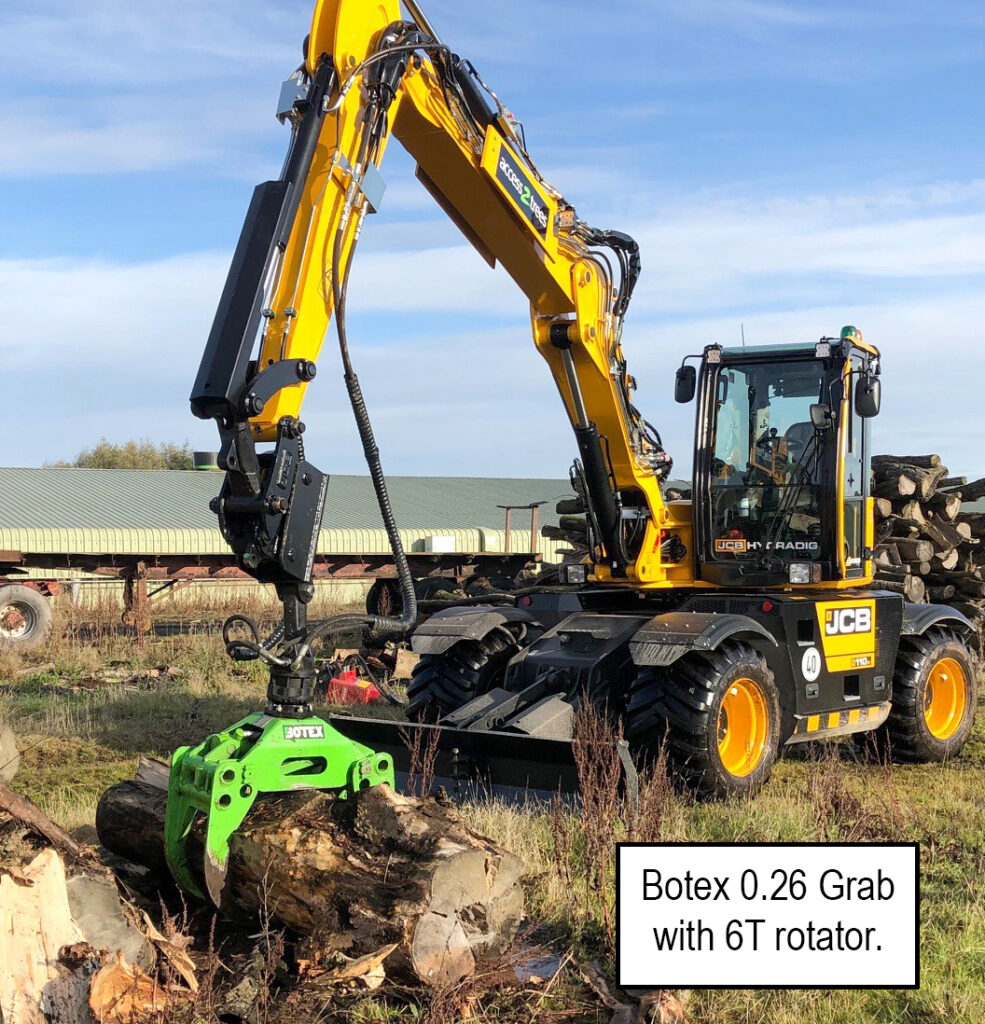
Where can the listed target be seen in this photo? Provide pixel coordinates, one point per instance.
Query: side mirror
(686, 384)
(868, 395)
(821, 417)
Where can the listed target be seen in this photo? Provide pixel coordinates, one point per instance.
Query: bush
(142, 454)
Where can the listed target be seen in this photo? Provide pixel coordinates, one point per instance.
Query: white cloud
(443, 348)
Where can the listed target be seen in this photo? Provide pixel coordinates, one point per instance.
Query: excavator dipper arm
(367, 75)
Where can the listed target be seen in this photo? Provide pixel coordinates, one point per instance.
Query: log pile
(927, 547)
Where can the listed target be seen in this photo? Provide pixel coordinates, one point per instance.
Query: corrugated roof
(91, 499)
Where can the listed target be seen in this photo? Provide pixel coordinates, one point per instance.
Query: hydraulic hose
(379, 624)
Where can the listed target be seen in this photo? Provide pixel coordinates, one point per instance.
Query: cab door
(853, 479)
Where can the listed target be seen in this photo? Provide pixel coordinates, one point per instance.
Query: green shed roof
(91, 499)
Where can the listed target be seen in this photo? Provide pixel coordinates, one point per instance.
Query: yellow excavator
(725, 626)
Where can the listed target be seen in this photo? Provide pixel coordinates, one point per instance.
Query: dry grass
(78, 738)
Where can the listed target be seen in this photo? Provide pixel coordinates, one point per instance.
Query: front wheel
(442, 683)
(719, 714)
(935, 692)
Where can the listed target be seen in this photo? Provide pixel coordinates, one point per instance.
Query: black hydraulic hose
(379, 624)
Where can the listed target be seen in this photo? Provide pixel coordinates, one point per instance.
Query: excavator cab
(781, 463)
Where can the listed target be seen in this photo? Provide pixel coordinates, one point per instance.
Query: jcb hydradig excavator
(726, 626)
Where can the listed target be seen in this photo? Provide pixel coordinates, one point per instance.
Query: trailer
(26, 613)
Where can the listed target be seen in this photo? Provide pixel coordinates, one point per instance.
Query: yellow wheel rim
(945, 699)
(743, 726)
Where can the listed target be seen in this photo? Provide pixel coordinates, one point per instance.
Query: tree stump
(354, 875)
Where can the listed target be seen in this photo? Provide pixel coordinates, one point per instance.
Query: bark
(946, 506)
(974, 490)
(897, 485)
(914, 550)
(352, 874)
(911, 587)
(923, 461)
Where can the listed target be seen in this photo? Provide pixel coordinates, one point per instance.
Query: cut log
(911, 587)
(948, 560)
(896, 486)
(952, 483)
(882, 507)
(36, 924)
(946, 506)
(925, 480)
(941, 594)
(379, 868)
(944, 536)
(919, 568)
(974, 490)
(888, 554)
(975, 521)
(911, 511)
(892, 572)
(922, 461)
(914, 550)
(10, 756)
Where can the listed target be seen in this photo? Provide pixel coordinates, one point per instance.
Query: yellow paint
(743, 728)
(848, 633)
(813, 723)
(853, 716)
(558, 274)
(945, 699)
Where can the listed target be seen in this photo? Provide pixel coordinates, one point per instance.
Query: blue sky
(790, 166)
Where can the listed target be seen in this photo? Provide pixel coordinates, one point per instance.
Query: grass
(79, 735)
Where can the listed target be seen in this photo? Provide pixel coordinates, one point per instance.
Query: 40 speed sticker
(810, 664)
(767, 915)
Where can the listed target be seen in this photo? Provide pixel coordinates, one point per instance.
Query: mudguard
(669, 636)
(918, 618)
(445, 628)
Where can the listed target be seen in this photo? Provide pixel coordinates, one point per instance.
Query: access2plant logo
(847, 620)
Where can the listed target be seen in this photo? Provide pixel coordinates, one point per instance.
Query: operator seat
(797, 436)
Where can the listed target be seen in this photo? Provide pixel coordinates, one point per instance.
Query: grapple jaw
(221, 778)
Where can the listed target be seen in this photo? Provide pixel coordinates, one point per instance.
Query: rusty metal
(534, 509)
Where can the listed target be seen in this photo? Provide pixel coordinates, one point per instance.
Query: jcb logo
(736, 547)
(843, 621)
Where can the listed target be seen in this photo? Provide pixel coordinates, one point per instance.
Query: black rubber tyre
(383, 598)
(445, 682)
(432, 588)
(25, 616)
(682, 705)
(908, 730)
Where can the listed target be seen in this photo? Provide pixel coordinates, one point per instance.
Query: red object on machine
(348, 688)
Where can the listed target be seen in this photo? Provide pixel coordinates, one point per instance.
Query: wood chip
(173, 950)
(121, 993)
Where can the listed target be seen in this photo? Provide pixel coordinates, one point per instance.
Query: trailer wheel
(719, 714)
(441, 683)
(935, 693)
(25, 616)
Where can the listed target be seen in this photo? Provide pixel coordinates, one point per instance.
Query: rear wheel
(25, 616)
(935, 692)
(719, 714)
(441, 683)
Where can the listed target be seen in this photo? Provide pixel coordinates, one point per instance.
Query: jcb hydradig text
(732, 624)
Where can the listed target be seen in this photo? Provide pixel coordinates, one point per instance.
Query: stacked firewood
(927, 548)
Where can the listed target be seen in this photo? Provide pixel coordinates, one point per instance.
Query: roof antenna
(742, 331)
